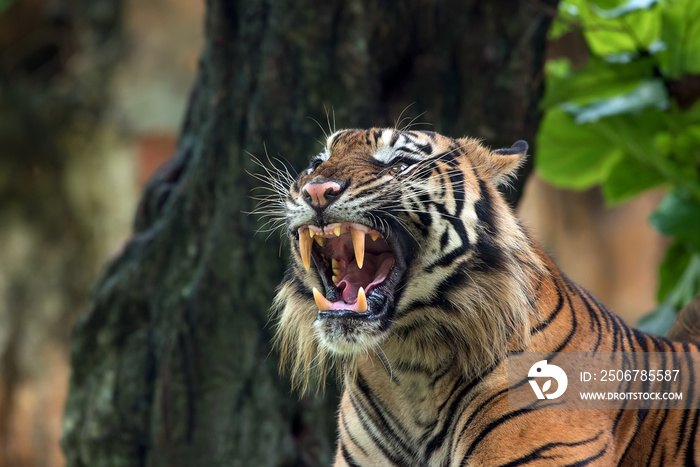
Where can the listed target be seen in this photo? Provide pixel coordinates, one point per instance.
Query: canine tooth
(335, 279)
(361, 300)
(358, 244)
(336, 231)
(322, 302)
(374, 235)
(319, 240)
(305, 249)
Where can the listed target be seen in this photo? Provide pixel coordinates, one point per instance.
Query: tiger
(411, 275)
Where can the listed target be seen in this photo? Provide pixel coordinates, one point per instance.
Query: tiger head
(401, 242)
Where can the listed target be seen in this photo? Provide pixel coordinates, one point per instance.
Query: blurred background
(91, 102)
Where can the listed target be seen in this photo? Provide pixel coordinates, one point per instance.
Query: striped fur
(425, 381)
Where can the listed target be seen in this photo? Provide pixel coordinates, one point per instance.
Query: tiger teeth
(335, 267)
(317, 234)
(322, 302)
(305, 244)
(361, 304)
(358, 244)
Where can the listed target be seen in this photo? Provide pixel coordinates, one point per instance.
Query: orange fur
(425, 382)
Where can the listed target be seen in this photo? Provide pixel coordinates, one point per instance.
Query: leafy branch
(629, 120)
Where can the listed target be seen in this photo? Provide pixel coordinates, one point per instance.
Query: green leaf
(660, 320)
(672, 268)
(684, 145)
(558, 68)
(639, 135)
(678, 215)
(650, 93)
(572, 155)
(597, 80)
(628, 178)
(623, 9)
(679, 31)
(633, 32)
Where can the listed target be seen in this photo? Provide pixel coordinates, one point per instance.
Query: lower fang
(335, 280)
(322, 302)
(361, 305)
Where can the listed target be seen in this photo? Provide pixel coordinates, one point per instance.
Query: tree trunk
(172, 363)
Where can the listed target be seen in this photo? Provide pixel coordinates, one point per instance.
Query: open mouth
(357, 266)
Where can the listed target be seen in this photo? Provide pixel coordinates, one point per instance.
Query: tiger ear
(501, 164)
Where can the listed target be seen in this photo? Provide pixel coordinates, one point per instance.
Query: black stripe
(489, 256)
(382, 414)
(444, 239)
(449, 417)
(366, 424)
(657, 435)
(589, 460)
(445, 371)
(441, 299)
(394, 138)
(346, 455)
(484, 208)
(484, 404)
(448, 259)
(537, 453)
(341, 415)
(552, 316)
(595, 326)
(691, 391)
(690, 452)
(574, 325)
(500, 421)
(641, 416)
(457, 181)
(426, 148)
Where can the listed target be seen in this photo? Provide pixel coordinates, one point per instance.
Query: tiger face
(388, 229)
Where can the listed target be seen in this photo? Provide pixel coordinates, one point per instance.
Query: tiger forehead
(378, 139)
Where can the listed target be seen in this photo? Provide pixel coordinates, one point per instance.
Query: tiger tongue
(373, 272)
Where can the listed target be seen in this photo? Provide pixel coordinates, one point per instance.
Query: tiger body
(411, 274)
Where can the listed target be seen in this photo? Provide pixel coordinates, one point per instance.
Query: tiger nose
(322, 192)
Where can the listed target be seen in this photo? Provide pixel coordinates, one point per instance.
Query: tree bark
(172, 363)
